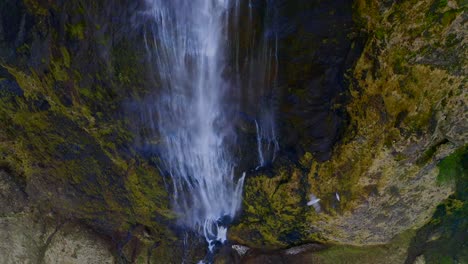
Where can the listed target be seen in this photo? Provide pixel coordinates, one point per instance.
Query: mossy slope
(65, 73)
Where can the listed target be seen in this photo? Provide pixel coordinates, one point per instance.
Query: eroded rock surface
(29, 237)
(407, 112)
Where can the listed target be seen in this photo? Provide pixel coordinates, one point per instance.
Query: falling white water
(267, 143)
(189, 46)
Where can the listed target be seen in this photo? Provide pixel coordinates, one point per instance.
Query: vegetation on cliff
(406, 113)
(372, 116)
(65, 73)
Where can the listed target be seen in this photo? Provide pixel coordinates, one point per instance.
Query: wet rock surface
(320, 44)
(372, 109)
(30, 237)
(13, 197)
(403, 114)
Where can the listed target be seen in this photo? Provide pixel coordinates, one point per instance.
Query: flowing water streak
(264, 68)
(189, 46)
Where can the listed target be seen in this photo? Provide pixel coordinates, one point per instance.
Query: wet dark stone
(313, 60)
(15, 28)
(227, 255)
(11, 15)
(12, 192)
(70, 151)
(9, 88)
(400, 117)
(61, 89)
(291, 237)
(41, 104)
(225, 220)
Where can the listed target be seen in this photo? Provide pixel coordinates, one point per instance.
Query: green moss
(35, 7)
(273, 209)
(453, 168)
(76, 151)
(448, 17)
(28, 83)
(92, 93)
(438, 5)
(380, 33)
(400, 157)
(127, 65)
(59, 72)
(365, 13)
(399, 63)
(443, 239)
(462, 3)
(66, 57)
(392, 137)
(76, 31)
(147, 193)
(393, 252)
(24, 50)
(68, 147)
(441, 3)
(438, 13)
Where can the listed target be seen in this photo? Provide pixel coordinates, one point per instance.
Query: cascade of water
(205, 75)
(189, 49)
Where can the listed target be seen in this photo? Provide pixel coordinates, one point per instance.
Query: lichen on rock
(371, 112)
(403, 101)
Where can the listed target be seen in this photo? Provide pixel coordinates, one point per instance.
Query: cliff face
(66, 70)
(372, 113)
(407, 112)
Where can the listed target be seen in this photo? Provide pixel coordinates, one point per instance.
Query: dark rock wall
(405, 115)
(315, 52)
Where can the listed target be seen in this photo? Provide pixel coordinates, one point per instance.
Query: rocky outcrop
(407, 112)
(25, 239)
(30, 237)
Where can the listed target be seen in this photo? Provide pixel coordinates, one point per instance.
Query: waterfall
(209, 65)
(189, 48)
